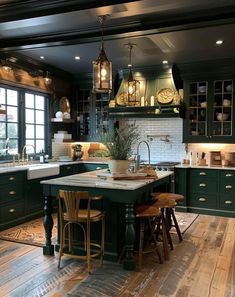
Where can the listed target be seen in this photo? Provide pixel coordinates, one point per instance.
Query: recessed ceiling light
(219, 42)
(77, 58)
(42, 57)
(164, 62)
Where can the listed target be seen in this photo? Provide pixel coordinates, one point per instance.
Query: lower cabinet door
(227, 202)
(203, 200)
(11, 211)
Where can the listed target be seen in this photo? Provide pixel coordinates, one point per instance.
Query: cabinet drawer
(14, 177)
(66, 170)
(227, 175)
(227, 186)
(203, 184)
(11, 193)
(11, 211)
(203, 200)
(227, 202)
(209, 173)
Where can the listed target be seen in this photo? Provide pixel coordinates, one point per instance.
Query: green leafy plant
(119, 141)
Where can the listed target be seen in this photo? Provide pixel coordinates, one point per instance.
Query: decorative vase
(119, 166)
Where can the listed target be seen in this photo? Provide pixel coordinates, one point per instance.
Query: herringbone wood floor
(203, 265)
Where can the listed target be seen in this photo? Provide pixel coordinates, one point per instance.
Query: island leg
(48, 248)
(129, 262)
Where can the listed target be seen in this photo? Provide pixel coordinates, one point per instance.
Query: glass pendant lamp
(102, 67)
(133, 85)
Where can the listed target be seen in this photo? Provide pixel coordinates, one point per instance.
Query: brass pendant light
(102, 67)
(133, 85)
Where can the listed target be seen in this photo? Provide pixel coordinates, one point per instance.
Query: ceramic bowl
(226, 103)
(204, 104)
(202, 89)
(228, 88)
(222, 116)
(59, 115)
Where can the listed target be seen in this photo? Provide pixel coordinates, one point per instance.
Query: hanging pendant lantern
(133, 85)
(102, 68)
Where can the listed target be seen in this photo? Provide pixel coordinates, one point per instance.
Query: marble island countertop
(90, 179)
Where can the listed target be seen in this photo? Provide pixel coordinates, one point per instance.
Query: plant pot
(118, 166)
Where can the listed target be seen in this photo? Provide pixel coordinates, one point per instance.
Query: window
(35, 121)
(25, 122)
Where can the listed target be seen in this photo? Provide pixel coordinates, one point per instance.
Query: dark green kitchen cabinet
(92, 113)
(69, 169)
(210, 112)
(12, 198)
(91, 167)
(181, 185)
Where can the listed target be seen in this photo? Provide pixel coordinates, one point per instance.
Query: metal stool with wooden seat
(143, 213)
(75, 208)
(170, 215)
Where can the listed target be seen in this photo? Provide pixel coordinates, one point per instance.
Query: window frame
(22, 120)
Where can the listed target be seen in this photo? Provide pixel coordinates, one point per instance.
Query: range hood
(151, 86)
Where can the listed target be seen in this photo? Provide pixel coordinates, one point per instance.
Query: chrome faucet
(23, 151)
(138, 156)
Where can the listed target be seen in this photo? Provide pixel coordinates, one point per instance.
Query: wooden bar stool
(146, 213)
(75, 208)
(169, 210)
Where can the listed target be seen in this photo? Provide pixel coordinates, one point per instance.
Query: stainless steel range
(168, 166)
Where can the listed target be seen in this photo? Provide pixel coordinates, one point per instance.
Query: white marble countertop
(205, 167)
(90, 179)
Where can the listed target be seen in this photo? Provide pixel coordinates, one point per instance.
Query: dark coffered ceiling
(178, 31)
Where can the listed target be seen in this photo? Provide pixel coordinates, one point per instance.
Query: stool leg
(176, 225)
(167, 220)
(141, 242)
(102, 241)
(155, 241)
(164, 237)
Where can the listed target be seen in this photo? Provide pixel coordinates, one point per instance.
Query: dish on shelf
(202, 89)
(122, 99)
(222, 116)
(204, 104)
(226, 103)
(64, 105)
(165, 96)
(228, 88)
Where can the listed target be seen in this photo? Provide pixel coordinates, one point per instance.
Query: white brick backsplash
(160, 150)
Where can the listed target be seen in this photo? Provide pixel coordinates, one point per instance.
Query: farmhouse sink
(42, 170)
(34, 170)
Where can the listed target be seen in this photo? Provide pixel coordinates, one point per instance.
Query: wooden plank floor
(203, 265)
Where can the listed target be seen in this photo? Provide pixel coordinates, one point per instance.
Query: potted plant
(119, 143)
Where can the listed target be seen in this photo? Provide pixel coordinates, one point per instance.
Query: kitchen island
(119, 198)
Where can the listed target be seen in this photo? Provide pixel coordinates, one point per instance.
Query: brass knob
(11, 178)
(12, 192)
(228, 187)
(228, 174)
(97, 168)
(202, 173)
(12, 210)
(69, 167)
(202, 185)
(202, 199)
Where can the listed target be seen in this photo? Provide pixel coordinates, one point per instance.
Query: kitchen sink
(35, 170)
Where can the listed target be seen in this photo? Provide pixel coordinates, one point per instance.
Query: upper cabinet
(210, 113)
(92, 113)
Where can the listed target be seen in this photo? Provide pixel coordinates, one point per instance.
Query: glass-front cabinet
(210, 111)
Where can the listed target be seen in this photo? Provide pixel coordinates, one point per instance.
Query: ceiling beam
(26, 9)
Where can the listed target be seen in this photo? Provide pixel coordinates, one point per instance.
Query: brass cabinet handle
(202, 173)
(202, 199)
(11, 178)
(69, 167)
(97, 168)
(227, 202)
(202, 185)
(12, 192)
(12, 210)
(228, 174)
(228, 187)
